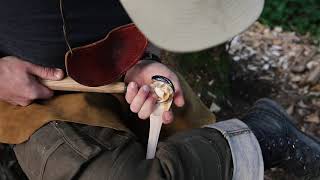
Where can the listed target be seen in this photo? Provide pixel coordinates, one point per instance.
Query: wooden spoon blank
(69, 84)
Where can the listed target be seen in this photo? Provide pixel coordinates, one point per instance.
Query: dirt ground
(261, 62)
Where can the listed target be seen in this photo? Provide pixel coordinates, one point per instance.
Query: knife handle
(68, 84)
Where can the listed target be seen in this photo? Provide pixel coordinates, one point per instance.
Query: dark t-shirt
(32, 29)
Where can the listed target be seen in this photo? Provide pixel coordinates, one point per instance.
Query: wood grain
(68, 84)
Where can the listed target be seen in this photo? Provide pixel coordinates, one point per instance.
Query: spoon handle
(155, 127)
(68, 84)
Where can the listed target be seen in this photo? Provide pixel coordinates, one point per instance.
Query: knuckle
(22, 68)
(31, 94)
(11, 58)
(46, 71)
(22, 65)
(25, 103)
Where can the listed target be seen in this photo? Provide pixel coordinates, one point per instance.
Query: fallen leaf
(290, 109)
(313, 118)
(215, 108)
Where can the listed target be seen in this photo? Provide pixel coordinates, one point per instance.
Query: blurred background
(278, 57)
(301, 16)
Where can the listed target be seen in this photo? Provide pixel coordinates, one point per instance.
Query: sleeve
(152, 53)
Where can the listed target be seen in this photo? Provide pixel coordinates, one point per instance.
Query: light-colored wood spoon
(68, 84)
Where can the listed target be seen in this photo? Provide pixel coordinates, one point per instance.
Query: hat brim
(192, 25)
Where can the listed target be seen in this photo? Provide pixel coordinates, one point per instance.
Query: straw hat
(192, 25)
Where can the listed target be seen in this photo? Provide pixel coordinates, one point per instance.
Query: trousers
(65, 151)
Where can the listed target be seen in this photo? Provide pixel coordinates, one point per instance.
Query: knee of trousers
(59, 150)
(200, 154)
(197, 154)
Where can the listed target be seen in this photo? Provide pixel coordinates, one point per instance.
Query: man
(32, 42)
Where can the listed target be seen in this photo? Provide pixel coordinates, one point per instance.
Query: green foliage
(302, 16)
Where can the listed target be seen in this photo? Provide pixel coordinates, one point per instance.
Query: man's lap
(62, 150)
(59, 149)
(17, 124)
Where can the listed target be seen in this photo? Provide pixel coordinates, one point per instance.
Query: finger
(139, 99)
(178, 95)
(147, 108)
(132, 91)
(46, 72)
(167, 117)
(179, 99)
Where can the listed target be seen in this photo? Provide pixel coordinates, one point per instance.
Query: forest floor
(263, 62)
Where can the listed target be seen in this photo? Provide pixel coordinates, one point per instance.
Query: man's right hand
(19, 81)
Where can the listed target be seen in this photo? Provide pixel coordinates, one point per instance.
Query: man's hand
(19, 83)
(138, 92)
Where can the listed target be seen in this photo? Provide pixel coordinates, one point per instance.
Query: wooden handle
(69, 84)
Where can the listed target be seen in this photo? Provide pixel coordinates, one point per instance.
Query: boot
(282, 144)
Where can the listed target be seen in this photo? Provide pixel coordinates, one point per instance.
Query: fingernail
(132, 85)
(167, 119)
(180, 102)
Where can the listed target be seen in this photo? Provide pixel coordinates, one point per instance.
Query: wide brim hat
(192, 25)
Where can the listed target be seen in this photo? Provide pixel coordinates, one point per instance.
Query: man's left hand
(139, 95)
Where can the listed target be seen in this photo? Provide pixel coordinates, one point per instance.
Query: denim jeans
(245, 149)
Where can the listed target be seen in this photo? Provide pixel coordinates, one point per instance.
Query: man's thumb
(46, 72)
